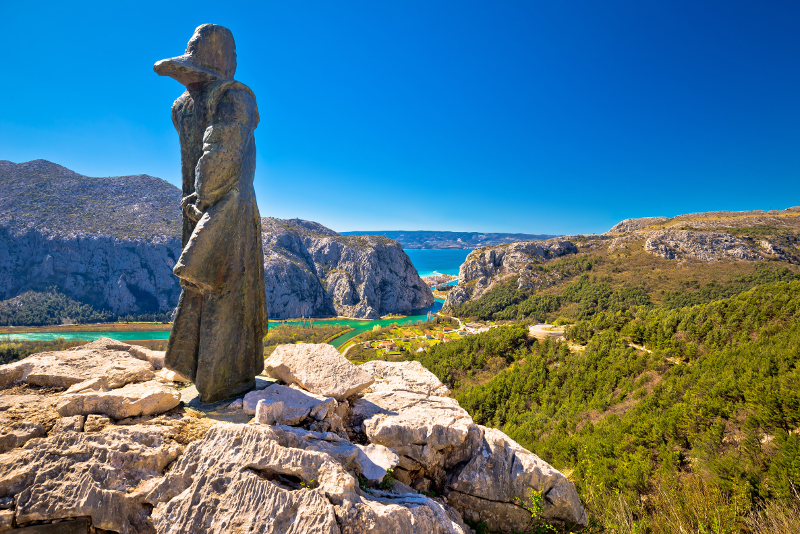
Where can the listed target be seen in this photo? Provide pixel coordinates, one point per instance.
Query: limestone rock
(96, 478)
(484, 266)
(252, 483)
(268, 413)
(69, 424)
(155, 357)
(95, 423)
(630, 225)
(407, 376)
(318, 368)
(312, 271)
(499, 475)
(169, 377)
(426, 431)
(16, 434)
(704, 246)
(249, 483)
(297, 404)
(407, 513)
(66, 368)
(371, 461)
(129, 401)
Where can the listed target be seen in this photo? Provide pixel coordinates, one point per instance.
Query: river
(426, 261)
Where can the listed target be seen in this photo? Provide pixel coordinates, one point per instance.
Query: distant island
(433, 239)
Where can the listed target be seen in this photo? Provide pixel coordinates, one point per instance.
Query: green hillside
(699, 431)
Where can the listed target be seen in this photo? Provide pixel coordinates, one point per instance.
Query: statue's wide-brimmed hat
(210, 55)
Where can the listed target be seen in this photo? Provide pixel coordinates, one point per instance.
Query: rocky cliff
(108, 242)
(483, 267)
(112, 242)
(312, 271)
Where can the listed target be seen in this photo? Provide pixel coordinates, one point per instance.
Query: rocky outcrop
(703, 246)
(630, 225)
(483, 267)
(130, 470)
(404, 376)
(714, 236)
(104, 359)
(318, 368)
(74, 474)
(312, 271)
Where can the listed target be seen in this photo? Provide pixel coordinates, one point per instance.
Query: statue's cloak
(217, 336)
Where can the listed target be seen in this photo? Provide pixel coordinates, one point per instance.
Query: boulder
(99, 359)
(387, 513)
(426, 431)
(318, 368)
(94, 397)
(407, 376)
(500, 476)
(370, 461)
(297, 404)
(75, 474)
(269, 413)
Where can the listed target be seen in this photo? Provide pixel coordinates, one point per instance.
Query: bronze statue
(221, 320)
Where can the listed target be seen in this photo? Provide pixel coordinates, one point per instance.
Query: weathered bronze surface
(217, 336)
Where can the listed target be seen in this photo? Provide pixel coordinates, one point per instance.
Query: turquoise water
(88, 336)
(445, 261)
(357, 326)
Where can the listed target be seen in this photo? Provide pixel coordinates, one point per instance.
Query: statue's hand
(192, 212)
(185, 201)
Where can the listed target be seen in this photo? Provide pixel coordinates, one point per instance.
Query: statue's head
(210, 55)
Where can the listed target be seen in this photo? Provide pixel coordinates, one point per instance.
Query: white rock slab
(408, 376)
(132, 400)
(297, 404)
(318, 368)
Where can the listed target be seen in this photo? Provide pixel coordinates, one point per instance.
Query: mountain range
(420, 239)
(78, 249)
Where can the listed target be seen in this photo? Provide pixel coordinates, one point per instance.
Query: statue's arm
(224, 144)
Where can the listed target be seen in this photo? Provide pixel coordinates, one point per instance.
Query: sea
(443, 261)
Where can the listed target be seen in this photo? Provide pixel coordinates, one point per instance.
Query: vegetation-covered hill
(668, 418)
(56, 201)
(642, 259)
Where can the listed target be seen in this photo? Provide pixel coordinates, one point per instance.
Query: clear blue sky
(528, 116)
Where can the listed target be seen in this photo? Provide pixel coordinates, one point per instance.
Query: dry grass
(691, 505)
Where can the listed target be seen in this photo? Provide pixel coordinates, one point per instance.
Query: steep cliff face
(483, 267)
(312, 271)
(112, 243)
(108, 242)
